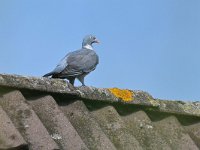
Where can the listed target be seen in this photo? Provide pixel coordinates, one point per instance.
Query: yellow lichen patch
(125, 95)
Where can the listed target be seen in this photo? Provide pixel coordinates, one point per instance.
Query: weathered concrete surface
(141, 126)
(194, 132)
(87, 127)
(180, 107)
(105, 94)
(103, 118)
(27, 122)
(33, 83)
(9, 136)
(115, 128)
(174, 134)
(99, 94)
(57, 124)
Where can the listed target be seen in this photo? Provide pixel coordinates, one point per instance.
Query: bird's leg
(71, 80)
(81, 79)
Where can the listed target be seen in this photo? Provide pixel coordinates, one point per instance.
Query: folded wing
(77, 63)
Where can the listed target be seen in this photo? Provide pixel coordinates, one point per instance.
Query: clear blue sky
(149, 45)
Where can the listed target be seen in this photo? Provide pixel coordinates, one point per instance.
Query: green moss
(2, 141)
(153, 102)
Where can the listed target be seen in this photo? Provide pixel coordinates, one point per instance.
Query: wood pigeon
(77, 64)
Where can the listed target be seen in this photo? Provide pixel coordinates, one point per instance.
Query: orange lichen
(125, 95)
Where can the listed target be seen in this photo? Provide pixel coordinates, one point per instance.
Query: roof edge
(124, 96)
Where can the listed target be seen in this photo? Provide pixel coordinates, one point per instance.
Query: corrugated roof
(41, 113)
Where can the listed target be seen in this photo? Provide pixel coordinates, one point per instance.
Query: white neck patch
(88, 47)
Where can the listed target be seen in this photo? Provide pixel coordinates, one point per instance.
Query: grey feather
(77, 64)
(61, 65)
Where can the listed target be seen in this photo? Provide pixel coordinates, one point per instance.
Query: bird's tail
(48, 74)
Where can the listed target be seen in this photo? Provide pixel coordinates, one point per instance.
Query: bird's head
(89, 40)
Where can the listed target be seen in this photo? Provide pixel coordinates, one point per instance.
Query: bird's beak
(96, 41)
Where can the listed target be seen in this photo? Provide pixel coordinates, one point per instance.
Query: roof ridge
(124, 96)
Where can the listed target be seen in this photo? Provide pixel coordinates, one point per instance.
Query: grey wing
(61, 65)
(82, 61)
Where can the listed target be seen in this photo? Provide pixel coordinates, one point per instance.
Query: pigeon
(77, 64)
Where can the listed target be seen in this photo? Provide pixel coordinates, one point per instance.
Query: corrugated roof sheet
(41, 113)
